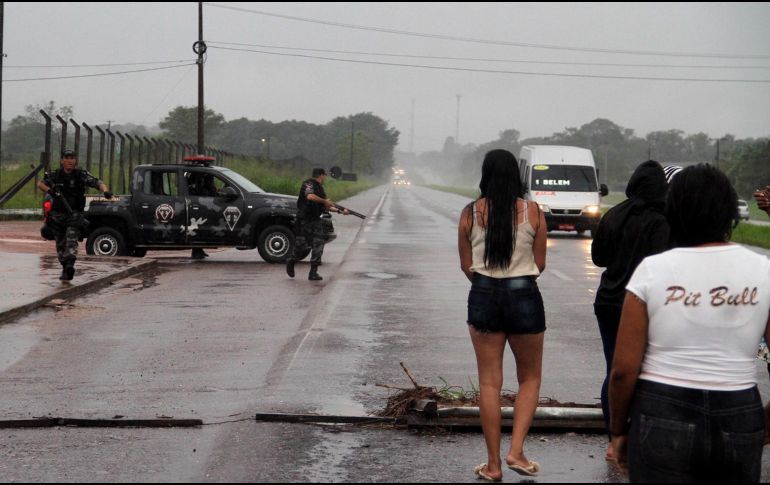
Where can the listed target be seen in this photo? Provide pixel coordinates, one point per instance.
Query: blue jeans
(608, 317)
(689, 435)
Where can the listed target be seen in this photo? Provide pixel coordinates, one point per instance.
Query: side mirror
(603, 190)
(228, 193)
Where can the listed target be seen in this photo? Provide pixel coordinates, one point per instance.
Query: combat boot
(198, 253)
(290, 267)
(314, 276)
(67, 273)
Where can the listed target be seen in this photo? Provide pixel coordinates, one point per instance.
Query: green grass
(613, 198)
(269, 178)
(29, 196)
(752, 235)
(279, 181)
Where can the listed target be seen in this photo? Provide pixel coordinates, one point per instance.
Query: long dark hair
(702, 206)
(500, 185)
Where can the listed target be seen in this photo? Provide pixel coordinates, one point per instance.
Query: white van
(563, 181)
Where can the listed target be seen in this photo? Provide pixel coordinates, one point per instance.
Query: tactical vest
(73, 188)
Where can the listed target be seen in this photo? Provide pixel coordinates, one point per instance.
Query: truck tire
(275, 244)
(106, 241)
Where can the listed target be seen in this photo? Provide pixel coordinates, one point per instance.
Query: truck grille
(566, 212)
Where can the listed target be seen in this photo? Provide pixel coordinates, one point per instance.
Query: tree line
(363, 143)
(618, 151)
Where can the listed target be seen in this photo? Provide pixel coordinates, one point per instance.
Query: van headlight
(544, 208)
(591, 210)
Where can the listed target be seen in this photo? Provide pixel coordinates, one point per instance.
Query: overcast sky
(281, 87)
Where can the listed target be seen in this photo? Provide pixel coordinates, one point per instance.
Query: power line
(488, 41)
(95, 75)
(519, 61)
(100, 65)
(494, 71)
(168, 93)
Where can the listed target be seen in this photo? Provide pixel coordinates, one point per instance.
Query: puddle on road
(342, 406)
(381, 276)
(15, 342)
(138, 282)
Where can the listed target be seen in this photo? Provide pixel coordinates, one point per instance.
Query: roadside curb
(75, 291)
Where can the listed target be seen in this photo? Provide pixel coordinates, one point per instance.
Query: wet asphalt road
(230, 336)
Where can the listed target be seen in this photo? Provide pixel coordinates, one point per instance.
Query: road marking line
(379, 206)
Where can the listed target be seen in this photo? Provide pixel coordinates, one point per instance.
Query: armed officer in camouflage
(311, 204)
(67, 186)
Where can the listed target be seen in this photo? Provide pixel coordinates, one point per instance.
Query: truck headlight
(544, 207)
(591, 210)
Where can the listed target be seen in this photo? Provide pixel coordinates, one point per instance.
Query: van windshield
(564, 178)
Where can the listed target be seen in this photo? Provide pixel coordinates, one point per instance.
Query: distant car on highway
(743, 210)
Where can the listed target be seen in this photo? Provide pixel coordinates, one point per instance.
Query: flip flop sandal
(529, 471)
(479, 471)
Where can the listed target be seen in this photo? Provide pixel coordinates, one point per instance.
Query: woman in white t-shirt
(684, 402)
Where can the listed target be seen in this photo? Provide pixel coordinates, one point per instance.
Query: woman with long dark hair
(502, 245)
(684, 405)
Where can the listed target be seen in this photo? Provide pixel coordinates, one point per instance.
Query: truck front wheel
(106, 241)
(275, 244)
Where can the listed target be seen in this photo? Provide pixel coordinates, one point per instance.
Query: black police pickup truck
(182, 206)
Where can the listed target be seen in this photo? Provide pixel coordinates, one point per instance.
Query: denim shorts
(506, 305)
(679, 434)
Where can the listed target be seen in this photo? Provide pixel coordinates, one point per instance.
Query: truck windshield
(245, 183)
(564, 178)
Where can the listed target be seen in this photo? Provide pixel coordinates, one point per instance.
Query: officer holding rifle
(66, 221)
(311, 204)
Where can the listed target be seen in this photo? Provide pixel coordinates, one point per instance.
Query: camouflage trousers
(309, 234)
(66, 236)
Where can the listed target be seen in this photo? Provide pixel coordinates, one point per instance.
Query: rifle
(352, 213)
(56, 192)
(78, 219)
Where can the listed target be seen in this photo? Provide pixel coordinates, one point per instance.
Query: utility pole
(457, 121)
(606, 170)
(2, 55)
(200, 49)
(411, 138)
(352, 141)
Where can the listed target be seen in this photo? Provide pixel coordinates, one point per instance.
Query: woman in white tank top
(502, 245)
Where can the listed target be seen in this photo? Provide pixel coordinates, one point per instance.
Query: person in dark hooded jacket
(628, 233)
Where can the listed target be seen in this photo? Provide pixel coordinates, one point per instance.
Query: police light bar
(204, 160)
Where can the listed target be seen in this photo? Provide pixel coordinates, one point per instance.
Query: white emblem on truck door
(232, 214)
(164, 213)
